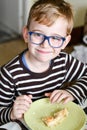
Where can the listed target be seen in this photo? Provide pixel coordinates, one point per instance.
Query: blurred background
(13, 16)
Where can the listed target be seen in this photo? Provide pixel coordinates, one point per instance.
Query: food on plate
(57, 118)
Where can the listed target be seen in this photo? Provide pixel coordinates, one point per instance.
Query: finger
(22, 107)
(66, 100)
(24, 103)
(62, 97)
(24, 99)
(21, 104)
(47, 94)
(19, 110)
(19, 113)
(30, 98)
(54, 96)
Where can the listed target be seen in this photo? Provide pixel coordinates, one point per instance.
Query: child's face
(44, 52)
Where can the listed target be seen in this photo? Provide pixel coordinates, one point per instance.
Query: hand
(20, 106)
(60, 95)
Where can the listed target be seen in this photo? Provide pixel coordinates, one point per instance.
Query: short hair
(47, 11)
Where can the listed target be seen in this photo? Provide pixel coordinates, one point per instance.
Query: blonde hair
(47, 11)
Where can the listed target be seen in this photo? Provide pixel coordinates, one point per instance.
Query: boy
(42, 69)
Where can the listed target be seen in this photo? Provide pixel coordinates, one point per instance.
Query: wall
(11, 14)
(27, 5)
(79, 7)
(14, 13)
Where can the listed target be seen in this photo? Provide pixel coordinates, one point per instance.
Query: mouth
(43, 51)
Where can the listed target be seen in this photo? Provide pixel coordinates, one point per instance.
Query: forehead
(58, 27)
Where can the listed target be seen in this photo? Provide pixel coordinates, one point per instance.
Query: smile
(43, 52)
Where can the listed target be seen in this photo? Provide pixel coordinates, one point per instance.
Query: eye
(37, 34)
(56, 38)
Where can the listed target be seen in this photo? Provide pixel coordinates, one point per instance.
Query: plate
(41, 108)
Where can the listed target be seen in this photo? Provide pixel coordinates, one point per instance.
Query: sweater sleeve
(6, 95)
(77, 71)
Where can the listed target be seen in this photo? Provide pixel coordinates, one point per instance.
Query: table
(15, 126)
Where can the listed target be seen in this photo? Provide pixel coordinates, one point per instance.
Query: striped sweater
(16, 79)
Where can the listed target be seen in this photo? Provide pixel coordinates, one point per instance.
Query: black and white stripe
(16, 79)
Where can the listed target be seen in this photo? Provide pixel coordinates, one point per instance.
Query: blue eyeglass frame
(46, 38)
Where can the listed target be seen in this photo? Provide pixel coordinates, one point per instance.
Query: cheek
(57, 51)
(31, 47)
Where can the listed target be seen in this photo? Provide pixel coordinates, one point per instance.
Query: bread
(57, 118)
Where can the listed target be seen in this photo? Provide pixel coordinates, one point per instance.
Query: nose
(45, 43)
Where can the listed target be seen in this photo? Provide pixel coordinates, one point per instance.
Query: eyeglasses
(53, 41)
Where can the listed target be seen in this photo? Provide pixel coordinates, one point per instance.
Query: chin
(44, 60)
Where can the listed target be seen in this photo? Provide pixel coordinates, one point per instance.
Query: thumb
(47, 94)
(30, 96)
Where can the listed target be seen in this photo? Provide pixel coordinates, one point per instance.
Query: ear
(25, 34)
(68, 38)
